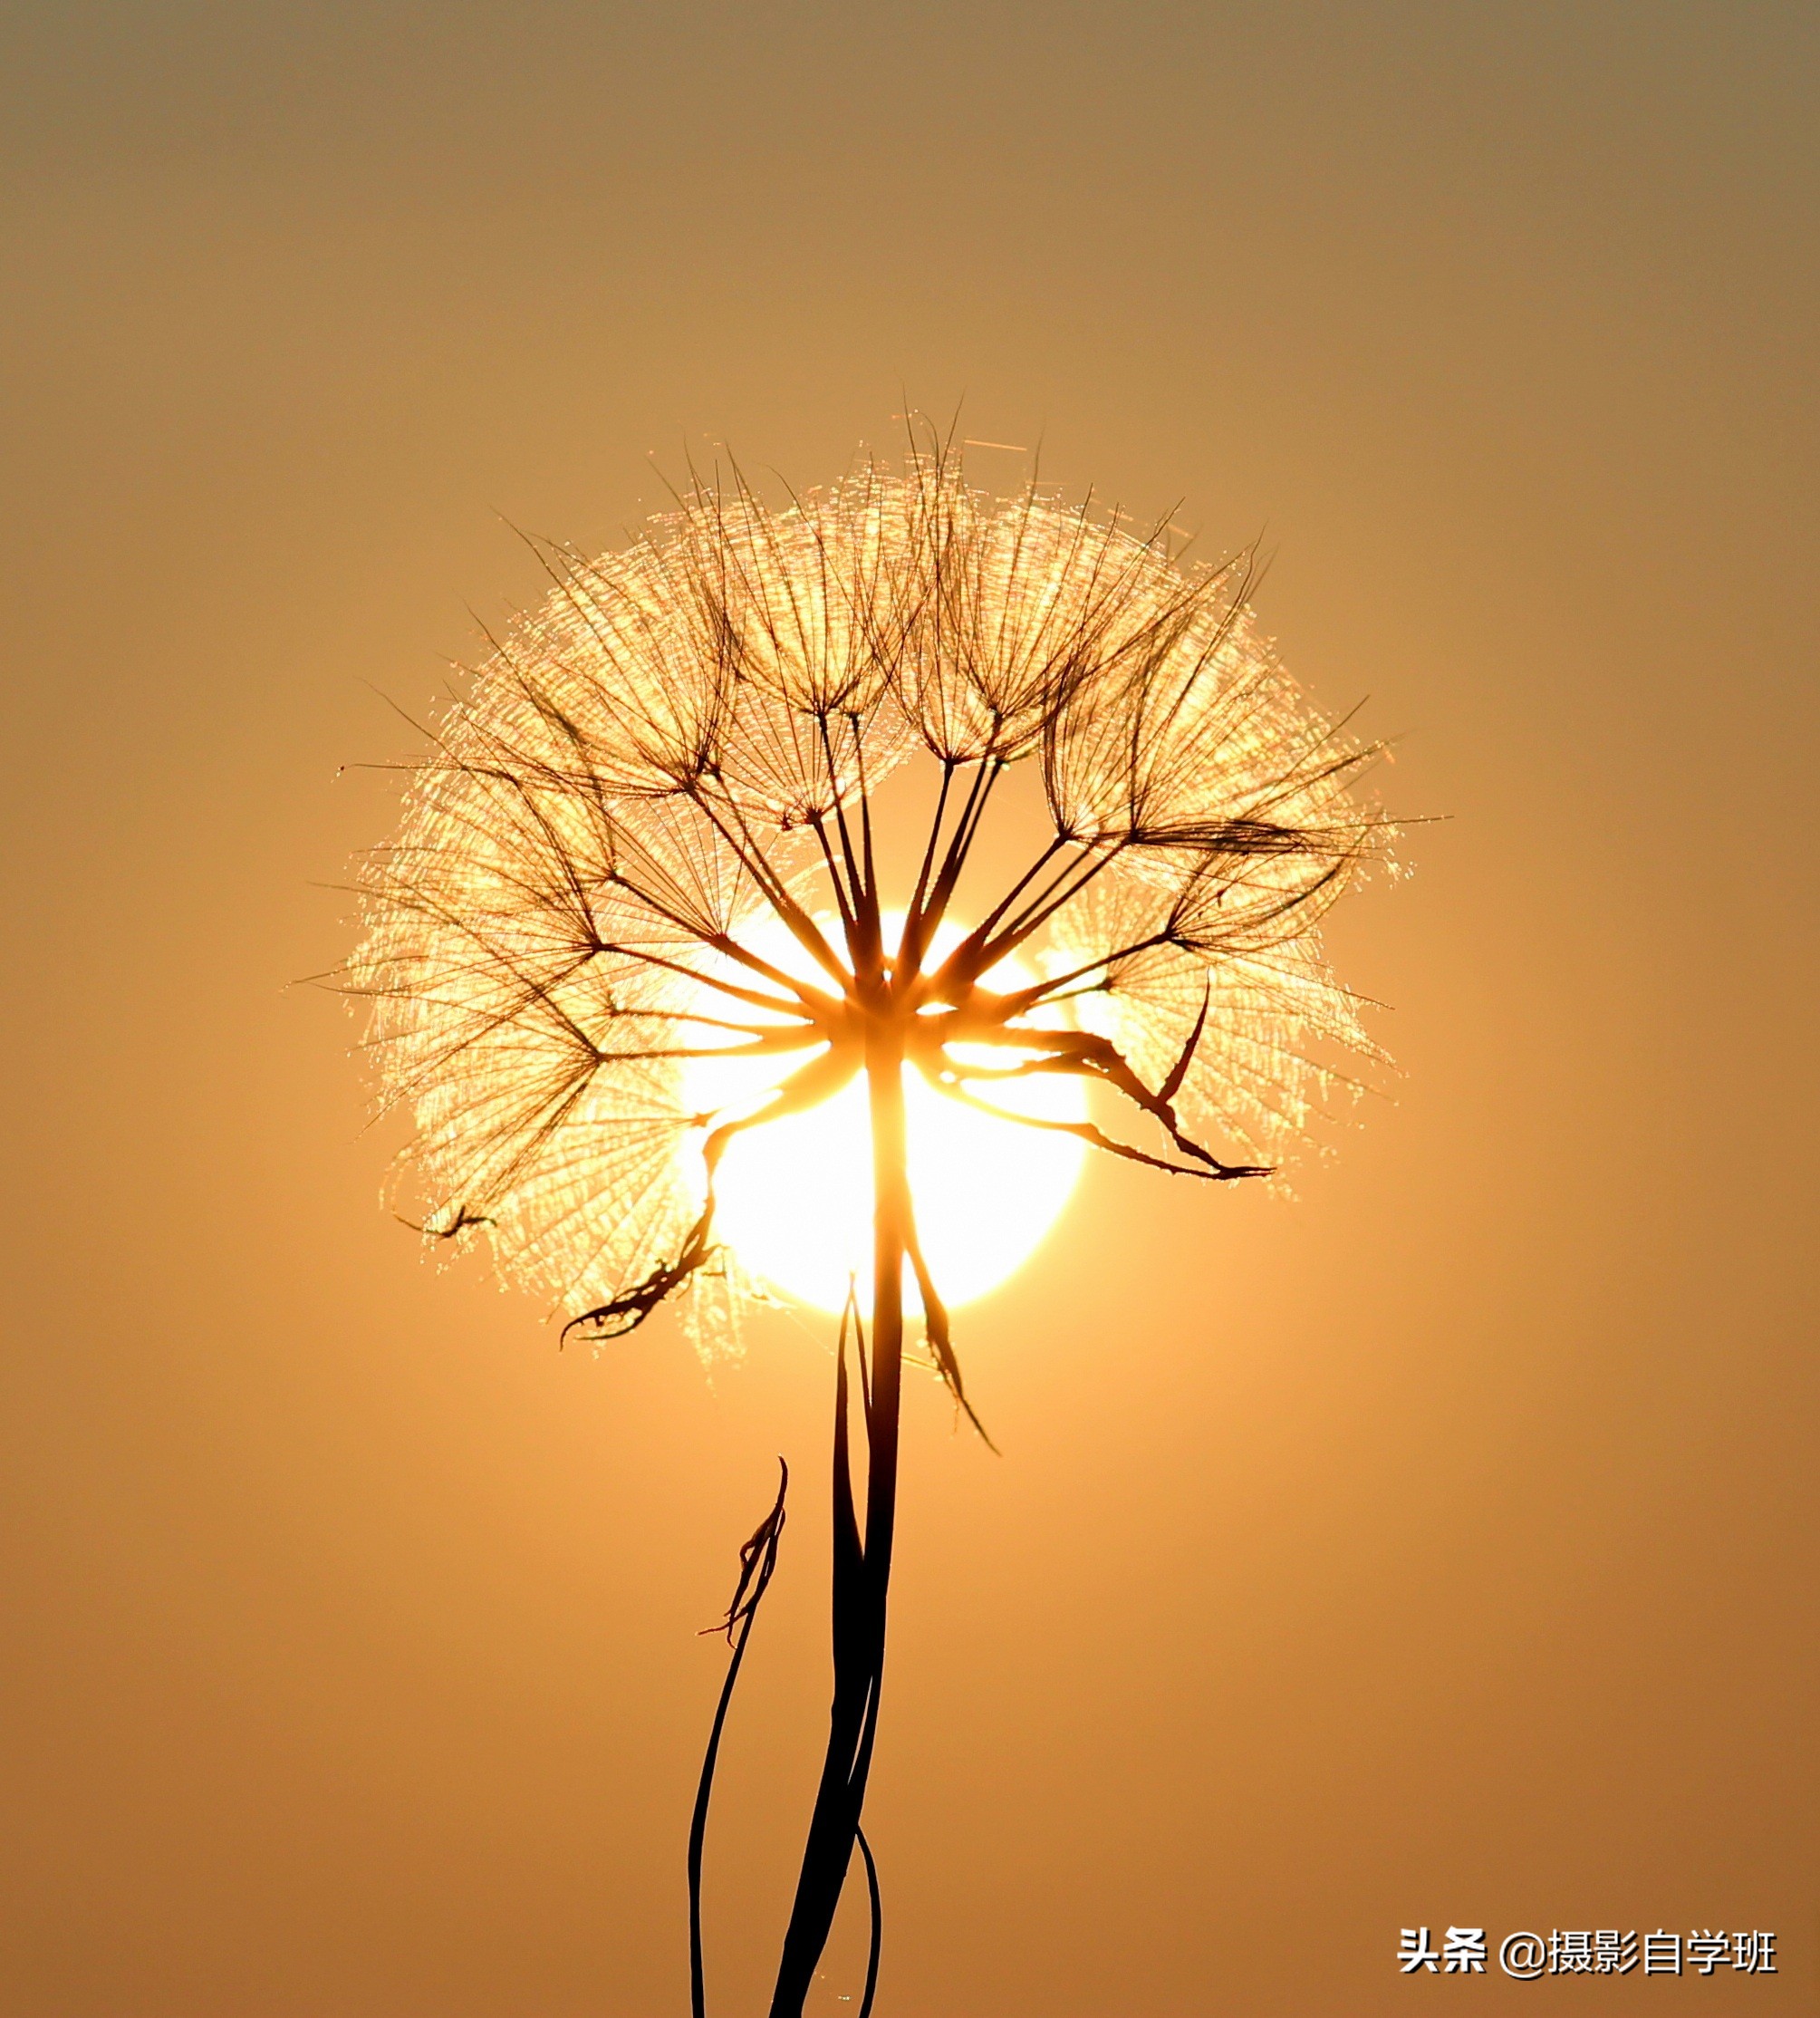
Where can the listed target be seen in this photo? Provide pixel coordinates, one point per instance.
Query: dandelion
(646, 849)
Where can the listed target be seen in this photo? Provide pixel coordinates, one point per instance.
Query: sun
(794, 1197)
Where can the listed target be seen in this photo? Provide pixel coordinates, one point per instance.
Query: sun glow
(794, 1197)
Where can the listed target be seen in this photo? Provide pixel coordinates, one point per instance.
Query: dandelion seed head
(683, 745)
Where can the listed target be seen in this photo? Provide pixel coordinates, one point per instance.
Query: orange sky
(1437, 1546)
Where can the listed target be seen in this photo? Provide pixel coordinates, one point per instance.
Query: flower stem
(862, 1566)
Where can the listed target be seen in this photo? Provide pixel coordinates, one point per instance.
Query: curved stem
(878, 1926)
(861, 1567)
(758, 1560)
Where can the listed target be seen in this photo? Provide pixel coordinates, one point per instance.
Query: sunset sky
(1434, 1544)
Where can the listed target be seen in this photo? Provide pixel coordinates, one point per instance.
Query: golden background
(1439, 1548)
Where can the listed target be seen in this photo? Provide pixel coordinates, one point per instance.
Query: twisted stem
(758, 1561)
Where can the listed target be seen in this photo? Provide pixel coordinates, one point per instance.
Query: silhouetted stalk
(878, 1942)
(758, 1561)
(863, 1567)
